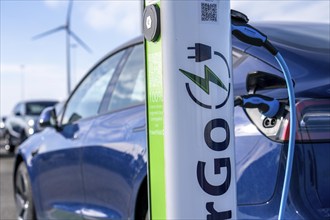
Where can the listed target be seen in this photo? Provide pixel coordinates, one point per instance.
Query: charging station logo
(203, 53)
(220, 89)
(203, 83)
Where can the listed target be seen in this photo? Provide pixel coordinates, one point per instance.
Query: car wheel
(143, 208)
(23, 194)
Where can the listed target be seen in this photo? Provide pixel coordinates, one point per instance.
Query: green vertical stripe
(155, 122)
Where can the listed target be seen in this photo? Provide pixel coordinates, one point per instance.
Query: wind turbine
(69, 33)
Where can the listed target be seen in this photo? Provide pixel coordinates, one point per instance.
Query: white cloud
(122, 16)
(293, 10)
(10, 69)
(32, 82)
(35, 70)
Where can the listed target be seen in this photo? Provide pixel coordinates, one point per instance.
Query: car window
(17, 109)
(35, 108)
(86, 100)
(237, 56)
(130, 87)
(22, 108)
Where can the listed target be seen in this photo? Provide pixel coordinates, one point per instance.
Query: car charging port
(269, 122)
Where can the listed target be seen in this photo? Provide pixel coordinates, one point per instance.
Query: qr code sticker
(209, 12)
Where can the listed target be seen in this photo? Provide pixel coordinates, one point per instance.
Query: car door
(113, 158)
(58, 158)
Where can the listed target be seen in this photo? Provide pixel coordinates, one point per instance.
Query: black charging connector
(248, 34)
(239, 16)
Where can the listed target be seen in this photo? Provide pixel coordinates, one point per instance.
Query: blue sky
(36, 69)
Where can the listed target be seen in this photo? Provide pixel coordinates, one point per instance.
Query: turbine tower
(69, 33)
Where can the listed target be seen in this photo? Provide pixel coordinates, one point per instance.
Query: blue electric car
(90, 162)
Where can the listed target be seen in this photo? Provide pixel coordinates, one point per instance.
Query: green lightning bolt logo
(203, 83)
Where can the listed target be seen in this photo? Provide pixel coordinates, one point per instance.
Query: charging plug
(269, 107)
(248, 34)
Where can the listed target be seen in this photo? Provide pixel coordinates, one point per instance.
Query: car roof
(300, 35)
(303, 35)
(290, 39)
(39, 101)
(134, 41)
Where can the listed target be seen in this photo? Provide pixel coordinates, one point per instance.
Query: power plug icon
(202, 52)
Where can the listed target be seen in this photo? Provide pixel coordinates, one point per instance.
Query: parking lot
(7, 205)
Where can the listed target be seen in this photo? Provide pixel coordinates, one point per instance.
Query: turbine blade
(49, 32)
(68, 16)
(79, 41)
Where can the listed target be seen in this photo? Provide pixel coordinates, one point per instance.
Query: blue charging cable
(292, 137)
(252, 36)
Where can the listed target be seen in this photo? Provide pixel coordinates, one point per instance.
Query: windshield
(307, 36)
(35, 108)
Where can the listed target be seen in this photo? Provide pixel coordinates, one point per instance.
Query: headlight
(31, 131)
(31, 122)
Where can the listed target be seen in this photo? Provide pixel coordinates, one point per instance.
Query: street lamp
(22, 66)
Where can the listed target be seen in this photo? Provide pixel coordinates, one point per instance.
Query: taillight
(313, 121)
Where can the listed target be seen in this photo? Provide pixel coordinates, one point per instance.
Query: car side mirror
(259, 80)
(48, 118)
(17, 114)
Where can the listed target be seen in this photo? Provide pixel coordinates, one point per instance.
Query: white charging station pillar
(190, 109)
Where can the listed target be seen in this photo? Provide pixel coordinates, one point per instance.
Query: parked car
(2, 127)
(3, 142)
(22, 123)
(90, 162)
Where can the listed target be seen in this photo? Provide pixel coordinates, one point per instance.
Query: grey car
(22, 122)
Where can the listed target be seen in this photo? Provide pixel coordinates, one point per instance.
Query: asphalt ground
(7, 203)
